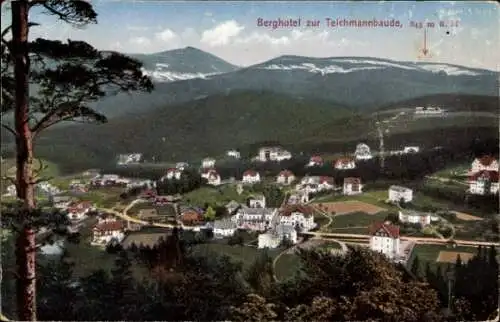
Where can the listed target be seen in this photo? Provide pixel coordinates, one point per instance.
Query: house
(274, 238)
(428, 111)
(212, 176)
(191, 217)
(79, 210)
(106, 231)
(181, 166)
(411, 149)
(352, 186)
(273, 154)
(208, 163)
(172, 173)
(256, 201)
(362, 152)
(285, 177)
(398, 193)
(483, 182)
(224, 228)
(250, 176)
(416, 217)
(315, 161)
(233, 154)
(345, 164)
(257, 219)
(385, 239)
(484, 163)
(326, 183)
(149, 194)
(300, 216)
(165, 200)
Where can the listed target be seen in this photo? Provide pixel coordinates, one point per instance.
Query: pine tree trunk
(26, 246)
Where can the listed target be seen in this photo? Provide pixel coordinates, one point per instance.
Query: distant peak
(191, 48)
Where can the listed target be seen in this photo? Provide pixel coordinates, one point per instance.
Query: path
(447, 180)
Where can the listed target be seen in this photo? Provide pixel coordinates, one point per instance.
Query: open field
(428, 254)
(356, 220)
(347, 207)
(211, 195)
(451, 257)
(373, 197)
(454, 171)
(105, 197)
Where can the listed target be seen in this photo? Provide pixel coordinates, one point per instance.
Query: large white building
(484, 163)
(285, 177)
(224, 228)
(352, 186)
(345, 164)
(398, 193)
(212, 176)
(298, 216)
(416, 217)
(130, 158)
(233, 154)
(257, 201)
(483, 183)
(107, 230)
(273, 154)
(385, 239)
(257, 219)
(275, 237)
(250, 176)
(362, 152)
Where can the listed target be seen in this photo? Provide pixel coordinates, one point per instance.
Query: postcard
(249, 160)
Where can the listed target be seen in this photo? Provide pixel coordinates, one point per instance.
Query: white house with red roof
(385, 239)
(107, 230)
(483, 182)
(298, 216)
(78, 210)
(250, 176)
(345, 164)
(362, 152)
(352, 186)
(326, 183)
(273, 154)
(172, 173)
(212, 176)
(484, 163)
(285, 177)
(315, 161)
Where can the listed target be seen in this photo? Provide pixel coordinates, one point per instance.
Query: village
(313, 209)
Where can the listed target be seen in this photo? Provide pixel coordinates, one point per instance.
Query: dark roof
(391, 230)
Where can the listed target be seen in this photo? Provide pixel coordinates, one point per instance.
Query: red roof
(352, 180)
(80, 205)
(285, 173)
(172, 170)
(491, 175)
(316, 159)
(110, 226)
(250, 173)
(344, 161)
(328, 180)
(391, 230)
(486, 160)
(288, 210)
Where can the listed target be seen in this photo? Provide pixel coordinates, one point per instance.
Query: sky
(230, 29)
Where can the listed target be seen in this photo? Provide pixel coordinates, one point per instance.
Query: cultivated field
(451, 257)
(346, 207)
(466, 217)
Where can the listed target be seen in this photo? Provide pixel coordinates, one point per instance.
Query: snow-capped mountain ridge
(332, 65)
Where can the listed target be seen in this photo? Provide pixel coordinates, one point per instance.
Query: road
(441, 179)
(421, 240)
(123, 215)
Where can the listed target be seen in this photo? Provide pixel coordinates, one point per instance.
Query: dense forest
(177, 285)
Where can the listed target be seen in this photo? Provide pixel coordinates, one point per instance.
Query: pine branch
(8, 128)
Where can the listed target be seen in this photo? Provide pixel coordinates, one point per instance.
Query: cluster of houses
(483, 176)
(41, 188)
(106, 180)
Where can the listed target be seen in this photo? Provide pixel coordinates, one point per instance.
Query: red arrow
(425, 50)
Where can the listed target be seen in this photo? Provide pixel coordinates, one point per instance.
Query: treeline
(190, 180)
(474, 284)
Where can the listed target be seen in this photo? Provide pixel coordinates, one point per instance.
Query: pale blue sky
(229, 29)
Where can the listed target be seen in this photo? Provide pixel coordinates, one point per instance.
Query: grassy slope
(245, 119)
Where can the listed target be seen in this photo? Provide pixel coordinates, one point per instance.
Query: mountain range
(186, 74)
